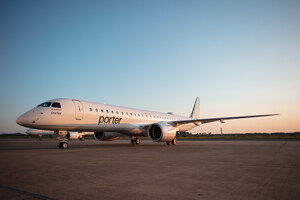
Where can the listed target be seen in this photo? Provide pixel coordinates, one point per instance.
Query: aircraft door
(78, 109)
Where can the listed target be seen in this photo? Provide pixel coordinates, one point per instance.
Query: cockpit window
(46, 104)
(56, 105)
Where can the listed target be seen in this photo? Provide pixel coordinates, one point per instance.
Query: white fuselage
(75, 115)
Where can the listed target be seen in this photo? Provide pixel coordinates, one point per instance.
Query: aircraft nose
(21, 120)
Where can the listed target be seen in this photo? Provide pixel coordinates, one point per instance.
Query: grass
(239, 137)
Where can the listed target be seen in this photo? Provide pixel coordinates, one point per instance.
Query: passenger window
(138, 114)
(101, 110)
(112, 111)
(56, 105)
(96, 109)
(130, 113)
(91, 109)
(122, 113)
(107, 111)
(134, 114)
(126, 113)
(117, 112)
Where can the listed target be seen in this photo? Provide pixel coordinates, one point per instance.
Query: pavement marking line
(279, 149)
(26, 193)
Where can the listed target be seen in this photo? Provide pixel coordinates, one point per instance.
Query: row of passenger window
(131, 114)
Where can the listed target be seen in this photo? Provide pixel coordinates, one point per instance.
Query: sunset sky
(240, 58)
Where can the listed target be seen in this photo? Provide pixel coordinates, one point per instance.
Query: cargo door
(78, 109)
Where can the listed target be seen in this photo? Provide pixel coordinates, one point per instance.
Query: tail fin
(196, 109)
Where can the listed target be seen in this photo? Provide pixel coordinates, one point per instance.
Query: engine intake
(161, 132)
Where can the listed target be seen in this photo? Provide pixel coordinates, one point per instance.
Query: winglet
(196, 109)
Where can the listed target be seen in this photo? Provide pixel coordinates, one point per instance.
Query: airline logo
(109, 120)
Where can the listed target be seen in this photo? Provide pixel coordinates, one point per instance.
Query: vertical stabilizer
(196, 109)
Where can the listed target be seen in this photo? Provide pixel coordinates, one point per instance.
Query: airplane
(108, 122)
(51, 134)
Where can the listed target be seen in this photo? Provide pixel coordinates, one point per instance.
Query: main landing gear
(135, 140)
(173, 142)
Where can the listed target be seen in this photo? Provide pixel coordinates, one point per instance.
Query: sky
(240, 57)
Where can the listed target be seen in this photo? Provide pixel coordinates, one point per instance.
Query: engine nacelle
(161, 132)
(106, 136)
(73, 135)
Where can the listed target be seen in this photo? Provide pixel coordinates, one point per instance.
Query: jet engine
(161, 132)
(106, 136)
(74, 136)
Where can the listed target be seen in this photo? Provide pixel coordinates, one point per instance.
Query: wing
(221, 119)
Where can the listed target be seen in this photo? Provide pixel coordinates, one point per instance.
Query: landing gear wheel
(132, 141)
(137, 141)
(64, 145)
(168, 143)
(81, 138)
(174, 141)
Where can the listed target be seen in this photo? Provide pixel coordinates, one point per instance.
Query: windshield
(56, 105)
(46, 104)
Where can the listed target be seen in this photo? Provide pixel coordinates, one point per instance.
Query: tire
(60, 145)
(65, 145)
(168, 143)
(137, 141)
(132, 141)
(174, 141)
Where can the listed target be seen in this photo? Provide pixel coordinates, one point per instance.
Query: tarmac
(32, 169)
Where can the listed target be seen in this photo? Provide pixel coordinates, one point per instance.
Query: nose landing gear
(63, 145)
